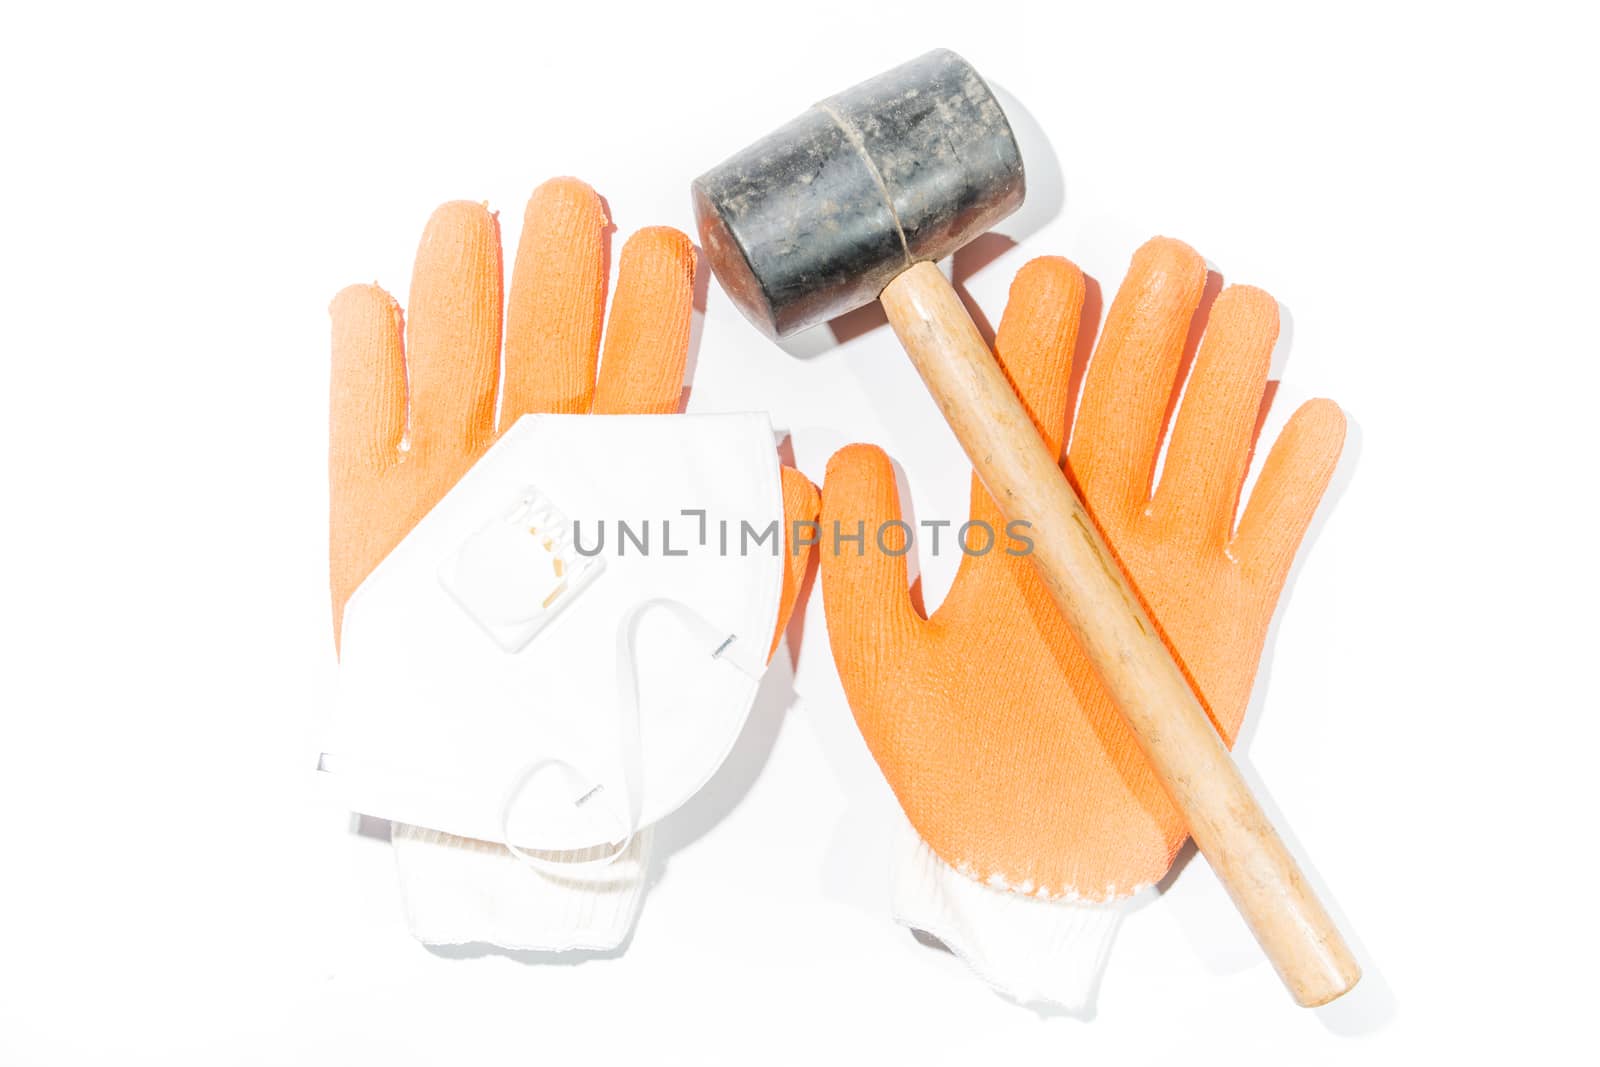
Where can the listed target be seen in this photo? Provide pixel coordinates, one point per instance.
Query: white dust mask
(559, 654)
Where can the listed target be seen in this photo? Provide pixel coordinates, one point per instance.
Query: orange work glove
(1029, 796)
(408, 419)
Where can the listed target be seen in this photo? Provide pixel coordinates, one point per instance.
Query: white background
(183, 192)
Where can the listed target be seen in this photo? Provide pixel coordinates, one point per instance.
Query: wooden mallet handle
(1026, 482)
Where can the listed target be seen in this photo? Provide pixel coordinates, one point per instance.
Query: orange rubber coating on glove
(987, 719)
(437, 389)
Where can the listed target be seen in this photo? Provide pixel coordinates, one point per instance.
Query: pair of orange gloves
(1027, 793)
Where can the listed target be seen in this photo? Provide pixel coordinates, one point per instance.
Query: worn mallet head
(816, 218)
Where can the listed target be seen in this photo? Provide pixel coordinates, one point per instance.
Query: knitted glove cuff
(460, 891)
(1033, 950)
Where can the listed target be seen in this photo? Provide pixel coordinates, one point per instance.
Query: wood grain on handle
(1166, 717)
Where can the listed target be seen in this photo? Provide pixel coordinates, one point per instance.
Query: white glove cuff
(1033, 950)
(459, 891)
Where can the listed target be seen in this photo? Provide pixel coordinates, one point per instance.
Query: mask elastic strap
(720, 645)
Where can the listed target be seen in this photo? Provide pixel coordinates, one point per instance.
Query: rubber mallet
(852, 202)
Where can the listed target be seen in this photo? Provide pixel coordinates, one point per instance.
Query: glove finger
(1286, 494)
(1034, 346)
(871, 622)
(800, 503)
(1129, 382)
(1211, 439)
(367, 402)
(647, 337)
(557, 303)
(367, 421)
(453, 336)
(1036, 337)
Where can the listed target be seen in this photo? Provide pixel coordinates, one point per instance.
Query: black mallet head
(816, 218)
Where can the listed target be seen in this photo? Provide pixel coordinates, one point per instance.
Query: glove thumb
(864, 541)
